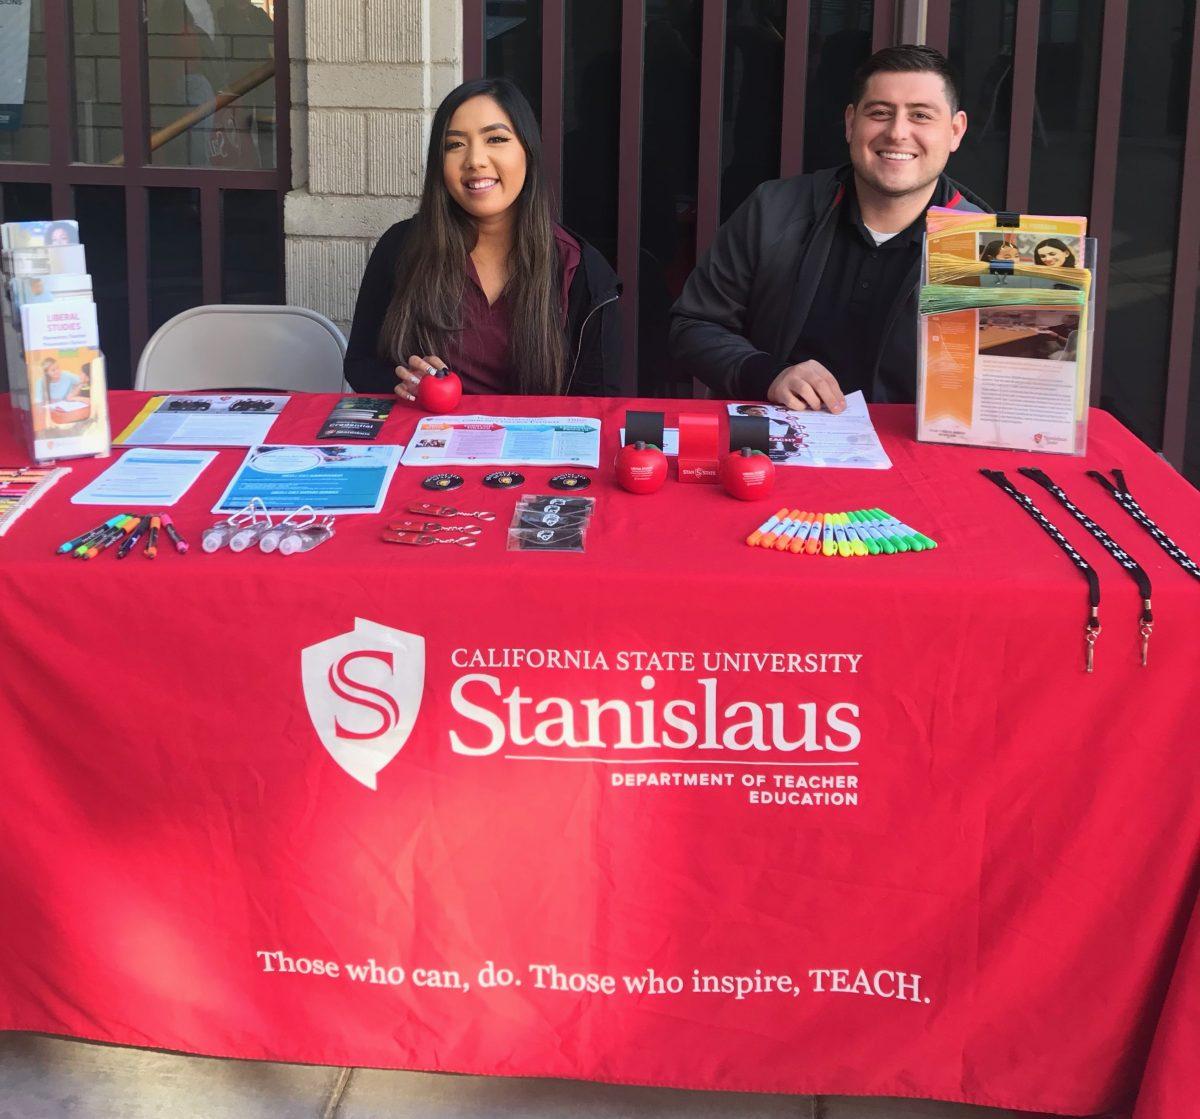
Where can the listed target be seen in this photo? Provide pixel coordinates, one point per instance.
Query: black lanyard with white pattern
(1128, 502)
(1135, 570)
(1092, 629)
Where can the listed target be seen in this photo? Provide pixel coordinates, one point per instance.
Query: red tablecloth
(972, 876)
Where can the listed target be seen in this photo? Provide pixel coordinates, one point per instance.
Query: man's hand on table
(808, 385)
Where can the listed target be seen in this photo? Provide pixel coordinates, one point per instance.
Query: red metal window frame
(887, 26)
(137, 175)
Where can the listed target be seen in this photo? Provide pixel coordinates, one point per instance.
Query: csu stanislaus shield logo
(363, 690)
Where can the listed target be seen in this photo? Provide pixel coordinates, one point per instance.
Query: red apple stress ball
(439, 392)
(747, 474)
(641, 468)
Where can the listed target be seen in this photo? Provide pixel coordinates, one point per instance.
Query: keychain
(424, 539)
(433, 526)
(428, 509)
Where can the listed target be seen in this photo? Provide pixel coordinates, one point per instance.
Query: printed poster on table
(329, 479)
(505, 441)
(813, 438)
(203, 420)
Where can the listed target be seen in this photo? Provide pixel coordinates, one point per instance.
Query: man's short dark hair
(909, 58)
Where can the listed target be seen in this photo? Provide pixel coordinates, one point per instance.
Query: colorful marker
(113, 532)
(152, 539)
(111, 537)
(857, 547)
(828, 540)
(815, 530)
(88, 536)
(869, 542)
(839, 535)
(765, 527)
(181, 545)
(770, 538)
(133, 535)
(912, 533)
(794, 523)
(796, 544)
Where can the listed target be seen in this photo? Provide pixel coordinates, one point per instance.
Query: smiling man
(809, 290)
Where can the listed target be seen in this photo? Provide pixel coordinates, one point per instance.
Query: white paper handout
(146, 476)
(505, 441)
(203, 420)
(337, 478)
(821, 438)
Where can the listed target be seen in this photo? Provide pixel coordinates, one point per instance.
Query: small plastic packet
(547, 502)
(563, 539)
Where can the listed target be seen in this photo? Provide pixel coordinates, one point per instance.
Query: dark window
(251, 267)
(100, 211)
(1158, 58)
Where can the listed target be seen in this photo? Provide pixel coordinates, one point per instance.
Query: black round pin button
(442, 482)
(503, 479)
(570, 481)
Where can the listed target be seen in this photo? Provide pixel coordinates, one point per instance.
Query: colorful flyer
(357, 417)
(331, 479)
(505, 441)
(1005, 376)
(821, 438)
(203, 420)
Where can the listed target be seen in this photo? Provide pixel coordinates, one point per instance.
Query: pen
(152, 539)
(111, 536)
(91, 533)
(134, 534)
(181, 545)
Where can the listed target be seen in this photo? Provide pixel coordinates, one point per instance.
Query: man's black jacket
(743, 308)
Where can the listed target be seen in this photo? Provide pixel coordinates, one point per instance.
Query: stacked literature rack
(51, 341)
(1006, 311)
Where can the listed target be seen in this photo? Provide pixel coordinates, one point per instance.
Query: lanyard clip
(1091, 634)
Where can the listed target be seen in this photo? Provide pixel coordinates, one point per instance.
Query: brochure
(331, 478)
(1004, 331)
(36, 234)
(21, 487)
(47, 289)
(63, 390)
(813, 438)
(56, 259)
(505, 441)
(203, 420)
(357, 417)
(146, 476)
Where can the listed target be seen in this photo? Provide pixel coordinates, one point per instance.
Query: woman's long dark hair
(424, 316)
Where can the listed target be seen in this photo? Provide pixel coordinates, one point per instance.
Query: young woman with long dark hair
(482, 280)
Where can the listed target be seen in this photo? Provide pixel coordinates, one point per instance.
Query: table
(964, 869)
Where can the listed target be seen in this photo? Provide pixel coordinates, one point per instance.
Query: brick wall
(366, 78)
